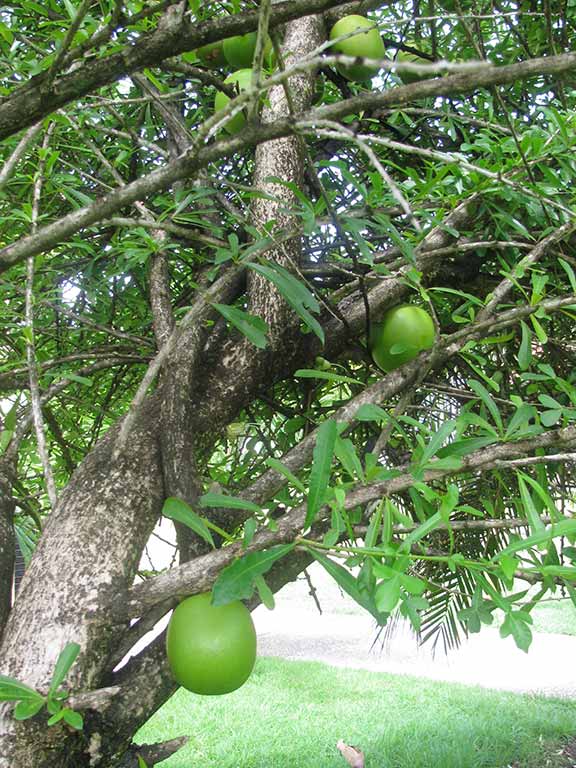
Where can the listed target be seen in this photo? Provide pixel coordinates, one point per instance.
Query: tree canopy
(193, 312)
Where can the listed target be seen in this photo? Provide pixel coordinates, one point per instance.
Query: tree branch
(192, 160)
(199, 575)
(29, 104)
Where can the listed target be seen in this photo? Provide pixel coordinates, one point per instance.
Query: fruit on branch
(212, 55)
(406, 57)
(402, 334)
(211, 649)
(241, 80)
(239, 50)
(366, 43)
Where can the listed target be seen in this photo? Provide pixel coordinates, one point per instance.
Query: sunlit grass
(291, 714)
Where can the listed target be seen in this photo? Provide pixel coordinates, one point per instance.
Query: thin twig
(29, 324)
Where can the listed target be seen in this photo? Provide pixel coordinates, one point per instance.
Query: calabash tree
(186, 323)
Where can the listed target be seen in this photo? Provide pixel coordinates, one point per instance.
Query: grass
(291, 714)
(557, 616)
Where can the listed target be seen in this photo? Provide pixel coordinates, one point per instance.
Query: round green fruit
(211, 649)
(212, 55)
(401, 335)
(239, 51)
(242, 80)
(367, 43)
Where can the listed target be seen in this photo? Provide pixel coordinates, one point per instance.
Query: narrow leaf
(437, 441)
(313, 373)
(563, 528)
(296, 294)
(264, 592)
(178, 510)
(525, 351)
(480, 390)
(320, 472)
(254, 328)
(345, 580)
(346, 454)
(283, 470)
(536, 524)
(227, 502)
(236, 581)
(63, 664)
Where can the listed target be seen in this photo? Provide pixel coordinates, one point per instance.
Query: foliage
(442, 491)
(30, 702)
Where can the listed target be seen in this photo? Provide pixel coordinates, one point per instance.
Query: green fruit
(242, 80)
(366, 43)
(212, 55)
(211, 649)
(404, 57)
(401, 335)
(239, 51)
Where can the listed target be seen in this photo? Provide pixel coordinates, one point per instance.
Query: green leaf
(73, 718)
(410, 608)
(321, 465)
(387, 594)
(525, 351)
(177, 509)
(346, 581)
(56, 717)
(536, 524)
(84, 380)
(264, 592)
(254, 328)
(461, 448)
(13, 690)
(480, 390)
(412, 584)
(314, 373)
(283, 470)
(550, 418)
(509, 564)
(563, 528)
(346, 454)
(67, 657)
(419, 533)
(374, 526)
(371, 412)
(516, 624)
(236, 581)
(295, 292)
(570, 272)
(141, 762)
(250, 527)
(437, 441)
(26, 709)
(227, 502)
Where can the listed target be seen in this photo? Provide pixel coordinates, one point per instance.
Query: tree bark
(7, 545)
(88, 555)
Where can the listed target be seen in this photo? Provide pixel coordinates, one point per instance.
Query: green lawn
(291, 714)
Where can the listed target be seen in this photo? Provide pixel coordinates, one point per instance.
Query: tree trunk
(90, 549)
